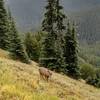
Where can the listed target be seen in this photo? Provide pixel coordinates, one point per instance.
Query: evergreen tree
(4, 27)
(16, 46)
(48, 22)
(71, 57)
(52, 50)
(60, 18)
(59, 43)
(33, 45)
(47, 57)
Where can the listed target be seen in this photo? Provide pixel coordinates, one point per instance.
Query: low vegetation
(19, 81)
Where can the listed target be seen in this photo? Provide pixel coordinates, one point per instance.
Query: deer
(45, 73)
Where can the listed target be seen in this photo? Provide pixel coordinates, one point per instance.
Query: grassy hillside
(20, 81)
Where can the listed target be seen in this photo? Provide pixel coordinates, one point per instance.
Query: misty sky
(69, 4)
(27, 12)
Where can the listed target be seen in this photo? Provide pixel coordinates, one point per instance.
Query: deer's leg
(41, 76)
(47, 78)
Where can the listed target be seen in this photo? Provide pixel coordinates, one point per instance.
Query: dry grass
(20, 81)
(4, 54)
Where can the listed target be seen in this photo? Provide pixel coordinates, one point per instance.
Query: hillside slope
(20, 81)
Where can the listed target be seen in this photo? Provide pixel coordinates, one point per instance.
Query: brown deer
(45, 73)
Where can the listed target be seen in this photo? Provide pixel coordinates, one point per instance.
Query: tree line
(9, 36)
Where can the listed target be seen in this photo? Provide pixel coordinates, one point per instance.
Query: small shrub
(87, 70)
(94, 80)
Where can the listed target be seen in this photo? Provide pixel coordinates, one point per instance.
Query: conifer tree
(59, 43)
(17, 48)
(60, 17)
(4, 27)
(32, 43)
(29, 43)
(52, 49)
(47, 56)
(71, 57)
(49, 20)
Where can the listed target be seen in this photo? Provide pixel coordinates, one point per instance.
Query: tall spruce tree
(50, 15)
(17, 48)
(53, 24)
(60, 18)
(59, 43)
(47, 56)
(4, 27)
(71, 57)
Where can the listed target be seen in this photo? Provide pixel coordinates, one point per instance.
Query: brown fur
(45, 73)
